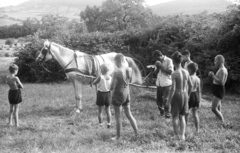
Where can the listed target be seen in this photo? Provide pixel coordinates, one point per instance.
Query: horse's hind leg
(78, 95)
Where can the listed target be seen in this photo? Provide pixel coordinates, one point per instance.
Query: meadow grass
(48, 125)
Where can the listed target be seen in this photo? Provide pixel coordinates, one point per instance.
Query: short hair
(186, 52)
(177, 57)
(220, 58)
(104, 68)
(193, 67)
(157, 53)
(13, 68)
(119, 57)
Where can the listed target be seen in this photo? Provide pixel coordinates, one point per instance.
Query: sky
(4, 3)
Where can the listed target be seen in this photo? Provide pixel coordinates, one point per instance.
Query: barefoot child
(218, 89)
(121, 94)
(103, 93)
(195, 96)
(14, 94)
(178, 98)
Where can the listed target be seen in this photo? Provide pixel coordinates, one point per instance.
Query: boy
(181, 88)
(14, 94)
(195, 96)
(218, 89)
(121, 94)
(103, 93)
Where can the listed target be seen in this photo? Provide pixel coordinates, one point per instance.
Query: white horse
(80, 68)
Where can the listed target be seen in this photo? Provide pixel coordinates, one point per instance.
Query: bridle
(45, 50)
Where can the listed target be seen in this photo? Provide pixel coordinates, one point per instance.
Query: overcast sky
(4, 3)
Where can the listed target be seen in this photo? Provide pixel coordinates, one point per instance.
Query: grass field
(47, 125)
(7, 22)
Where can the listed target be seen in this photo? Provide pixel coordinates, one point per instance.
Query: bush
(9, 41)
(7, 55)
(31, 71)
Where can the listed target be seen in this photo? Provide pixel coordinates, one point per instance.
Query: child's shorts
(218, 91)
(179, 103)
(14, 96)
(103, 98)
(193, 100)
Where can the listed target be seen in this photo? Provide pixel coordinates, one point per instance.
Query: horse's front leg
(78, 95)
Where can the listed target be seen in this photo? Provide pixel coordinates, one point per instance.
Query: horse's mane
(62, 49)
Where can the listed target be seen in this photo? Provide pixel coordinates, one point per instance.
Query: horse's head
(45, 53)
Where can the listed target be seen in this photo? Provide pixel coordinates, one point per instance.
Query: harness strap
(73, 70)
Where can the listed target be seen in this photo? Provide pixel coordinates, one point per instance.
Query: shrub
(7, 55)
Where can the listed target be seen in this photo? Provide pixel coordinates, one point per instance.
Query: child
(14, 94)
(103, 93)
(179, 95)
(218, 90)
(195, 96)
(121, 94)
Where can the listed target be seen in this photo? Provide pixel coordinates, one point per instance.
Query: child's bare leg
(108, 112)
(186, 119)
(175, 124)
(215, 104)
(182, 126)
(118, 116)
(196, 118)
(10, 115)
(15, 112)
(131, 119)
(100, 108)
(219, 107)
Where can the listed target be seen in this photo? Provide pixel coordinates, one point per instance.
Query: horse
(81, 68)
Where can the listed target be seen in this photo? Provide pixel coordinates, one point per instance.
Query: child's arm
(19, 82)
(97, 80)
(190, 85)
(129, 73)
(172, 90)
(218, 78)
(113, 82)
(199, 90)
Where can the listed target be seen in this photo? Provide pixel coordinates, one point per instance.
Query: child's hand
(210, 74)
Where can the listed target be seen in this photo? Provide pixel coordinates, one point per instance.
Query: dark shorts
(193, 100)
(179, 104)
(218, 91)
(14, 96)
(103, 98)
(121, 98)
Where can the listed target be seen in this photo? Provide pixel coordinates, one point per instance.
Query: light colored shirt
(164, 79)
(104, 84)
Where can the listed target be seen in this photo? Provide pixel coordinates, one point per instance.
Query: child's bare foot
(115, 138)
(9, 124)
(183, 138)
(17, 125)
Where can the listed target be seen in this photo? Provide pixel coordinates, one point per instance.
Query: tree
(116, 15)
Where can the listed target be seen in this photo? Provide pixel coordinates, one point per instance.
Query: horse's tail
(136, 75)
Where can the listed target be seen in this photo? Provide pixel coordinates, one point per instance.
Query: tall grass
(47, 125)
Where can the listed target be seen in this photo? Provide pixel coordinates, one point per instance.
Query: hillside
(190, 7)
(38, 8)
(72, 8)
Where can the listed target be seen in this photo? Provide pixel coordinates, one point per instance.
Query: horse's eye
(44, 51)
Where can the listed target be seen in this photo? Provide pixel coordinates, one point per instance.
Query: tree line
(129, 27)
